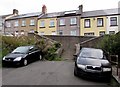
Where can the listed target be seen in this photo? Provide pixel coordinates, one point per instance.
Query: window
(111, 32)
(73, 21)
(73, 33)
(88, 34)
(23, 23)
(42, 33)
(42, 24)
(53, 33)
(102, 33)
(60, 32)
(100, 22)
(8, 24)
(16, 24)
(16, 33)
(113, 21)
(52, 23)
(87, 23)
(31, 30)
(22, 32)
(62, 22)
(32, 22)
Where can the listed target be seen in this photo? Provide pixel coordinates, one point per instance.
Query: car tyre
(75, 72)
(25, 62)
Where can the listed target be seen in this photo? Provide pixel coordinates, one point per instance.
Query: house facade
(68, 23)
(47, 24)
(100, 22)
(22, 24)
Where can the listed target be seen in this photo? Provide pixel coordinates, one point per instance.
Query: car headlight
(4, 58)
(81, 66)
(18, 59)
(106, 69)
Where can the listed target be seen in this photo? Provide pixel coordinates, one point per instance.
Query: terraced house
(47, 22)
(100, 22)
(22, 24)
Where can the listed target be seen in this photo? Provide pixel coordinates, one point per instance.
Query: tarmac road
(45, 73)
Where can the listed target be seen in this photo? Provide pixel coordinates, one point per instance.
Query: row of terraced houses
(73, 22)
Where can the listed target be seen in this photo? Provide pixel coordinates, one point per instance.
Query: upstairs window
(16, 24)
(87, 23)
(100, 22)
(32, 22)
(62, 22)
(42, 24)
(8, 24)
(113, 21)
(52, 23)
(73, 21)
(23, 23)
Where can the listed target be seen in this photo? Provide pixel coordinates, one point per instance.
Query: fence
(115, 66)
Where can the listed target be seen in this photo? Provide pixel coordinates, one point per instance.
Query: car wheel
(75, 72)
(40, 57)
(25, 62)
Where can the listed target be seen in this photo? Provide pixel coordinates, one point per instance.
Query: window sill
(87, 27)
(73, 24)
(41, 27)
(23, 26)
(51, 26)
(62, 25)
(31, 25)
(100, 26)
(113, 25)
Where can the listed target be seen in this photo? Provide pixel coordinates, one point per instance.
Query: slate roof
(58, 14)
(26, 15)
(100, 13)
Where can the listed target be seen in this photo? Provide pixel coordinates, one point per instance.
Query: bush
(111, 44)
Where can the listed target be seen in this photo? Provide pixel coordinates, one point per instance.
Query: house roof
(26, 15)
(59, 14)
(100, 12)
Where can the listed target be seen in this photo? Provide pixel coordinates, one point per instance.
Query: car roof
(28, 46)
(90, 49)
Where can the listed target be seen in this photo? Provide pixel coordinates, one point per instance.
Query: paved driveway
(44, 73)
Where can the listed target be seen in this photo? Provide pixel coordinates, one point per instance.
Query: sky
(29, 6)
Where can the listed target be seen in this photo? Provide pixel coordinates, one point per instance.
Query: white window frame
(23, 23)
(113, 21)
(52, 23)
(8, 24)
(32, 22)
(87, 23)
(42, 23)
(100, 22)
(53, 33)
(16, 23)
(73, 21)
(62, 22)
(101, 33)
(73, 33)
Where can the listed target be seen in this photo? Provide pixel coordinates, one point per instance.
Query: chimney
(15, 11)
(80, 8)
(44, 9)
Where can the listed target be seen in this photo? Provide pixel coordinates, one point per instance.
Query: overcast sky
(28, 6)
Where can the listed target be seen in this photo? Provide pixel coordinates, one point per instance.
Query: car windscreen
(21, 50)
(91, 53)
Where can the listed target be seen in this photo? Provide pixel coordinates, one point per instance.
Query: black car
(22, 56)
(92, 63)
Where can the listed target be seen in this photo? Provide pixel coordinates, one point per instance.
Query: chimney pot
(15, 11)
(44, 9)
(81, 8)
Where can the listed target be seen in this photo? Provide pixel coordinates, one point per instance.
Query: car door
(33, 53)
